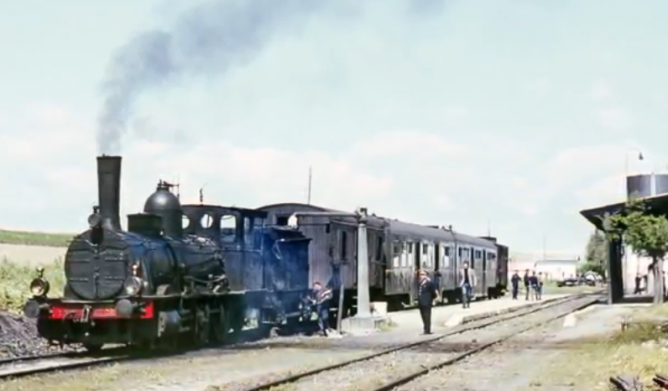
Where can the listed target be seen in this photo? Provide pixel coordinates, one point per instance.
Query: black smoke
(204, 41)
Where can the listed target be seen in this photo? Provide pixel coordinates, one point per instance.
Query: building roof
(657, 203)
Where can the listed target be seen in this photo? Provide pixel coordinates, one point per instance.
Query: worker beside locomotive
(396, 250)
(162, 281)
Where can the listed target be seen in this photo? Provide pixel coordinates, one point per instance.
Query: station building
(623, 264)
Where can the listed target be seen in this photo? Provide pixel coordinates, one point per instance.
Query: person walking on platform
(533, 283)
(527, 284)
(539, 286)
(467, 282)
(515, 280)
(427, 293)
(321, 298)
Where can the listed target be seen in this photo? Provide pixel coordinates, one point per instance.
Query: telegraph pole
(310, 177)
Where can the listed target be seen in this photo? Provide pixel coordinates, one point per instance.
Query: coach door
(415, 249)
(483, 254)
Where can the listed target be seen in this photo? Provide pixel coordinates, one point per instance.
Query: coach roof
(399, 227)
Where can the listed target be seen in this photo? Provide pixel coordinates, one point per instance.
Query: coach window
(206, 221)
(430, 255)
(446, 257)
(405, 259)
(396, 254)
(379, 248)
(248, 231)
(343, 243)
(228, 228)
(459, 254)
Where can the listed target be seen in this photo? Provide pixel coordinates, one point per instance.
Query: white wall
(632, 265)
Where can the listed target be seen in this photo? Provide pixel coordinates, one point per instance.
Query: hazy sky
(457, 112)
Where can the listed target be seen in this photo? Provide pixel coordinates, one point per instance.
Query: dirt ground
(230, 367)
(552, 357)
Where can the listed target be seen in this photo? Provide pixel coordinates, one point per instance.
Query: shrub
(15, 282)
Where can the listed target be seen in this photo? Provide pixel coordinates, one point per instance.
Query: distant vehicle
(573, 281)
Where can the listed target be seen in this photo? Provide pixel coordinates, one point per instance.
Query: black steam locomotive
(193, 272)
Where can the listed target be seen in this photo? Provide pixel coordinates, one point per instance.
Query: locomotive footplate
(82, 312)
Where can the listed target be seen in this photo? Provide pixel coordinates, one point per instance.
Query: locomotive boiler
(149, 284)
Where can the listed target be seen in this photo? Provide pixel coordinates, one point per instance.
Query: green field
(35, 238)
(15, 283)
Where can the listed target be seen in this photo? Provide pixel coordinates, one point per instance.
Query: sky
(508, 116)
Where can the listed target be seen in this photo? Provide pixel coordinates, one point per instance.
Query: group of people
(533, 284)
(427, 294)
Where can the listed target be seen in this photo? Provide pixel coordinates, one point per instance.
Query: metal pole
(339, 314)
(363, 304)
(308, 199)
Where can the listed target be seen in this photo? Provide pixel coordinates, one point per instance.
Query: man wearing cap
(427, 293)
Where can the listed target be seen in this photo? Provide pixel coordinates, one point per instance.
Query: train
(189, 273)
(195, 273)
(396, 250)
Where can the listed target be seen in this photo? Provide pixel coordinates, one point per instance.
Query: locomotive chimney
(109, 190)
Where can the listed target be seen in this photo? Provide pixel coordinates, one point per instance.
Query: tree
(596, 254)
(590, 266)
(647, 234)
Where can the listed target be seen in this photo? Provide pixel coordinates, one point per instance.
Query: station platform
(410, 319)
(406, 326)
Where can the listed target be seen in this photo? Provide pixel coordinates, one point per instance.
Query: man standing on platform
(515, 280)
(427, 293)
(467, 282)
(527, 284)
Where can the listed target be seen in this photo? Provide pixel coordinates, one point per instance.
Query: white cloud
(600, 90)
(614, 118)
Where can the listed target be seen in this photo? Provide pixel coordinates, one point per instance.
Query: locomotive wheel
(202, 326)
(220, 326)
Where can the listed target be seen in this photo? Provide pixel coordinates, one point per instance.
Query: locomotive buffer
(363, 319)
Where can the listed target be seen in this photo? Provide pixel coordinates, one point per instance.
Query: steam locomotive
(179, 272)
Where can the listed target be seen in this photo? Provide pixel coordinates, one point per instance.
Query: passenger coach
(396, 250)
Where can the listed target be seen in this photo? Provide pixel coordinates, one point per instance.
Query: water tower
(646, 185)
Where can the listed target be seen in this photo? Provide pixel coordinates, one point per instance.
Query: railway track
(32, 365)
(400, 365)
(18, 367)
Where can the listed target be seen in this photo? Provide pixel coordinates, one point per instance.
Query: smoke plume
(204, 41)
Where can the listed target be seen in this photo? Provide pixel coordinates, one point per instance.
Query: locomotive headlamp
(39, 287)
(133, 286)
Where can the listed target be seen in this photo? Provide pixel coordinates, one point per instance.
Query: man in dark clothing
(533, 281)
(515, 280)
(527, 283)
(427, 293)
(321, 297)
(637, 290)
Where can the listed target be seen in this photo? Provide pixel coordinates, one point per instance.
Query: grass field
(639, 351)
(15, 283)
(35, 238)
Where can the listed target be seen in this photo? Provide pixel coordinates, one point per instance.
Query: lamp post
(626, 156)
